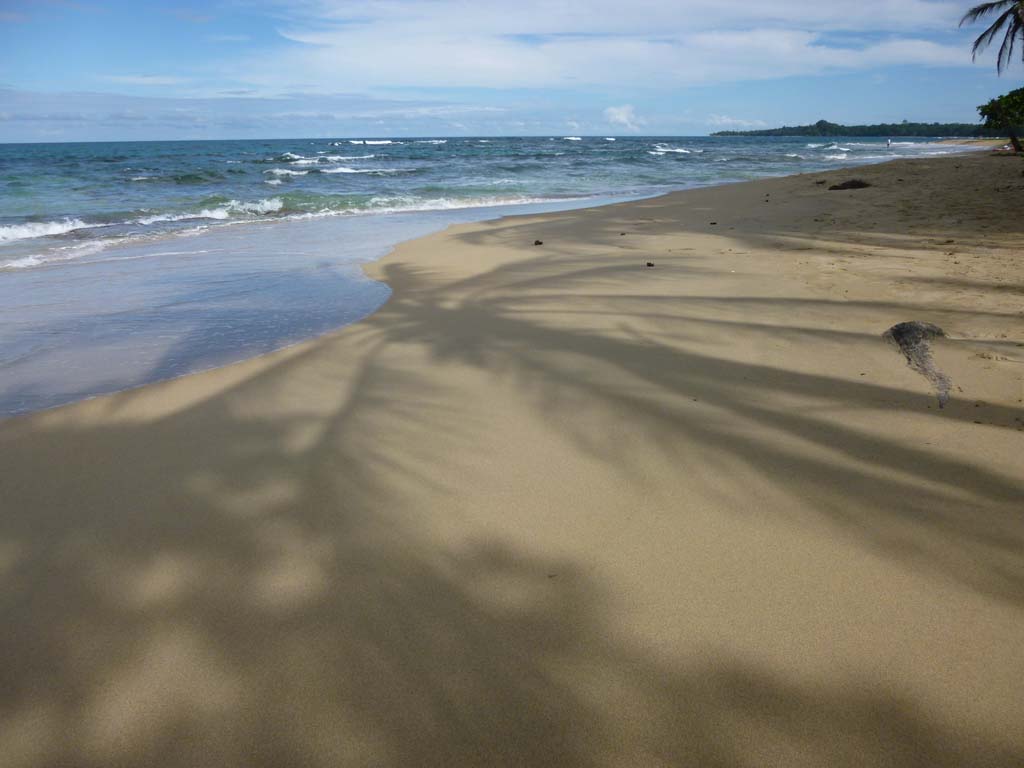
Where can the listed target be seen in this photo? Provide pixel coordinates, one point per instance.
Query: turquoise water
(126, 263)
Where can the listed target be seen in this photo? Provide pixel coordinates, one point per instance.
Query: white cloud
(724, 121)
(624, 116)
(145, 79)
(606, 43)
(25, 114)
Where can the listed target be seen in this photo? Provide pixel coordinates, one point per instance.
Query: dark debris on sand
(851, 184)
(912, 339)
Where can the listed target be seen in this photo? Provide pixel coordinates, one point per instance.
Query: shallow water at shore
(123, 264)
(148, 311)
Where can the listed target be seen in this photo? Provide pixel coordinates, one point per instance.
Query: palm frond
(987, 36)
(984, 9)
(1006, 49)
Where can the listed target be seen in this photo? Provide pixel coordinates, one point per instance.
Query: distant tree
(1006, 113)
(1010, 21)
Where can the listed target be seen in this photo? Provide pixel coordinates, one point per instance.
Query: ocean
(127, 263)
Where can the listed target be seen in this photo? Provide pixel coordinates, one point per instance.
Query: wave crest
(41, 229)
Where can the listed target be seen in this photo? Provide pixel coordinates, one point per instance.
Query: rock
(650, 263)
(538, 242)
(851, 184)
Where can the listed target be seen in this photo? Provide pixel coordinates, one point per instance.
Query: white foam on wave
(286, 172)
(41, 229)
(402, 203)
(291, 156)
(330, 159)
(258, 208)
(432, 141)
(346, 169)
(65, 253)
(609, 138)
(661, 149)
(23, 263)
(373, 141)
(571, 138)
(337, 159)
(836, 157)
(272, 182)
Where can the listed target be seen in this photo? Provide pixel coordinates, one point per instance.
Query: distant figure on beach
(888, 143)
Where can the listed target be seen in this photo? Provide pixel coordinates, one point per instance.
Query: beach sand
(552, 507)
(995, 143)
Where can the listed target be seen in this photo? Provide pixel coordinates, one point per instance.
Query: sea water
(127, 263)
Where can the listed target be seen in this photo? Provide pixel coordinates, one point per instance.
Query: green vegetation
(1010, 21)
(1005, 114)
(825, 128)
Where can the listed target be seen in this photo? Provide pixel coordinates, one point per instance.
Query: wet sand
(551, 506)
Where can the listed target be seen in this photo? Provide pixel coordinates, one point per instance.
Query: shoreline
(357, 262)
(976, 142)
(548, 505)
(143, 353)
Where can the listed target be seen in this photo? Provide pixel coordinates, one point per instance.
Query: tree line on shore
(825, 128)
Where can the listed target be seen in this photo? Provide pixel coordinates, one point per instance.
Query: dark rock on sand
(912, 339)
(851, 184)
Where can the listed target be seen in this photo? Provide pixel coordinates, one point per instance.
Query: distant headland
(825, 128)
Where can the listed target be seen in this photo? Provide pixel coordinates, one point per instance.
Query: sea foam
(41, 229)
(346, 169)
(258, 208)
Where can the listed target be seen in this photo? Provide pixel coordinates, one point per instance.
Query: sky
(95, 70)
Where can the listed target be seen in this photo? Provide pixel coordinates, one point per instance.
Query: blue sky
(93, 70)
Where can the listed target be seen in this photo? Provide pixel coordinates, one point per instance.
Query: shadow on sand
(257, 593)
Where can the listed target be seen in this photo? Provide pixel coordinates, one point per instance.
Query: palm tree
(1010, 19)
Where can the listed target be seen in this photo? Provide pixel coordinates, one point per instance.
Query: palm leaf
(984, 9)
(1006, 49)
(987, 36)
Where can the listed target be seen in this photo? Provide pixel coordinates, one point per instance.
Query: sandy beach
(551, 506)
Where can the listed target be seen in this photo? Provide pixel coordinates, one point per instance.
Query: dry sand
(976, 142)
(550, 507)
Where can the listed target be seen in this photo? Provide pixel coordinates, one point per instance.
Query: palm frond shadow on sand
(259, 591)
